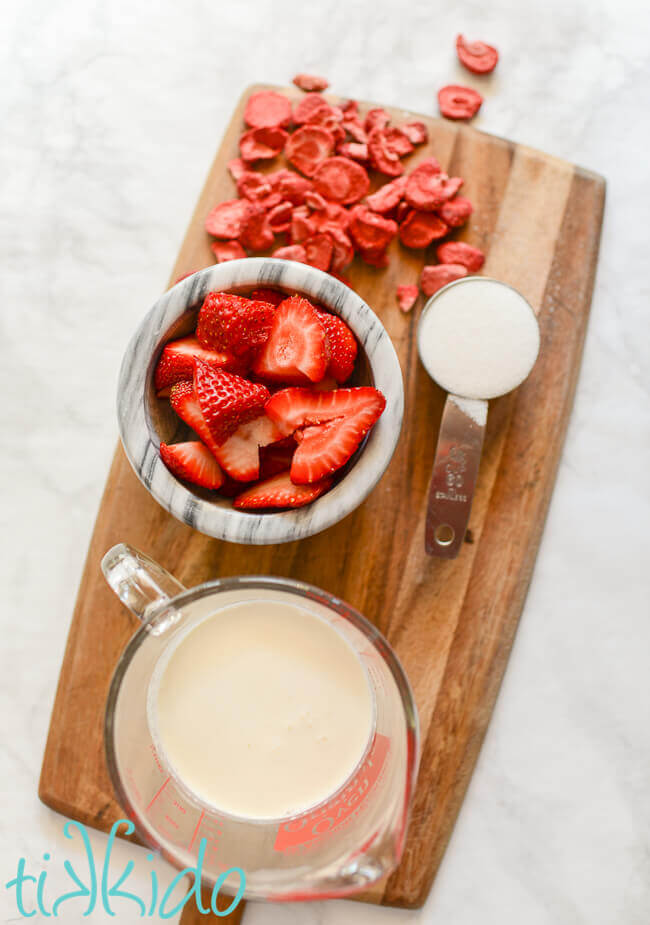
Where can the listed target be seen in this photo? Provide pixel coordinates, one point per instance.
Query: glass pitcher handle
(139, 582)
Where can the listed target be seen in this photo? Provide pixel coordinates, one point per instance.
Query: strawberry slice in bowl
(193, 462)
(298, 349)
(280, 492)
(175, 363)
(239, 456)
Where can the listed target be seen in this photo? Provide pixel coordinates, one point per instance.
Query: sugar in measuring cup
(264, 724)
(478, 339)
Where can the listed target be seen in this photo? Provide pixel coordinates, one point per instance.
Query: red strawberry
(192, 462)
(230, 322)
(293, 408)
(226, 400)
(240, 454)
(298, 348)
(276, 457)
(186, 405)
(280, 491)
(175, 363)
(343, 346)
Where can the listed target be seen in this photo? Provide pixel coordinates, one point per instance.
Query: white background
(111, 114)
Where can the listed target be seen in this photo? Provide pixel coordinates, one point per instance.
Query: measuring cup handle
(138, 581)
(455, 470)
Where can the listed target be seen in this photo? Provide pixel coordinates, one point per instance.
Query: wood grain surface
(451, 622)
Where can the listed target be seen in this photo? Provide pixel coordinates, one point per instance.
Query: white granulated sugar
(479, 338)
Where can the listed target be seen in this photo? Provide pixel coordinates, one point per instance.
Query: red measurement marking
(197, 827)
(156, 795)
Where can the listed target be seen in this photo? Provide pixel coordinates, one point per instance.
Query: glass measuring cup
(338, 847)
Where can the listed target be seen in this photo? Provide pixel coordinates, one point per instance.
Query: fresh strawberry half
(186, 405)
(343, 346)
(192, 462)
(231, 322)
(297, 350)
(240, 454)
(280, 492)
(175, 363)
(226, 400)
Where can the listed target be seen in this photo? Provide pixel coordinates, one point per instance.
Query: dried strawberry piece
(349, 108)
(302, 226)
(227, 250)
(371, 231)
(419, 229)
(382, 157)
(236, 168)
(354, 150)
(315, 201)
(416, 132)
(227, 219)
(433, 278)
(458, 102)
(334, 126)
(427, 188)
(308, 147)
(456, 212)
(407, 297)
(291, 186)
(256, 233)
(291, 252)
(280, 217)
(461, 253)
(342, 249)
(354, 127)
(253, 186)
(374, 257)
(376, 118)
(262, 144)
(318, 250)
(310, 82)
(334, 214)
(387, 196)
(267, 109)
(402, 210)
(397, 141)
(310, 107)
(477, 57)
(341, 180)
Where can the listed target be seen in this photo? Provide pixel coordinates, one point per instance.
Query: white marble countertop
(111, 114)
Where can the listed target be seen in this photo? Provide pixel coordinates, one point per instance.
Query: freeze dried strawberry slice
(257, 233)
(290, 185)
(262, 144)
(356, 151)
(427, 188)
(226, 401)
(267, 109)
(312, 108)
(279, 217)
(458, 102)
(434, 278)
(291, 252)
(193, 462)
(387, 196)
(382, 156)
(175, 363)
(477, 57)
(272, 296)
(374, 257)
(459, 252)
(318, 251)
(416, 132)
(376, 118)
(371, 231)
(419, 229)
(456, 211)
(354, 127)
(297, 349)
(227, 250)
(186, 405)
(350, 107)
(280, 492)
(253, 186)
(231, 322)
(308, 147)
(341, 180)
(302, 225)
(334, 214)
(315, 201)
(310, 82)
(343, 347)
(236, 168)
(342, 249)
(239, 456)
(397, 141)
(227, 219)
(407, 297)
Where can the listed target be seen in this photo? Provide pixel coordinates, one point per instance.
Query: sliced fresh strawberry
(175, 363)
(230, 322)
(343, 346)
(240, 454)
(280, 492)
(186, 405)
(192, 462)
(276, 457)
(298, 348)
(226, 400)
(293, 408)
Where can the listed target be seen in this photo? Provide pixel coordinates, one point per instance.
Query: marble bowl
(145, 421)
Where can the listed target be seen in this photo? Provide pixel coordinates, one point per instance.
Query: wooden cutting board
(452, 622)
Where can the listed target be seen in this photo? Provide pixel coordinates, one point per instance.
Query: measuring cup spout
(140, 583)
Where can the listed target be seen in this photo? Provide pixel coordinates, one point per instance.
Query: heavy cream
(262, 710)
(479, 338)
